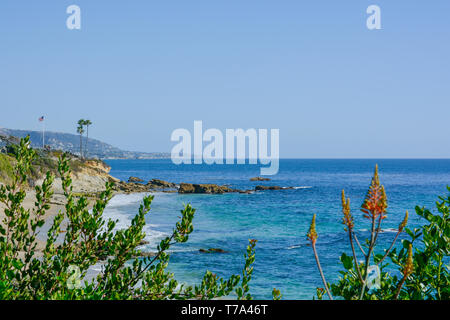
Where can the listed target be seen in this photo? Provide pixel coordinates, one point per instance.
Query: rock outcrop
(259, 179)
(186, 188)
(160, 184)
(134, 179)
(216, 189)
(88, 177)
(130, 187)
(204, 188)
(212, 250)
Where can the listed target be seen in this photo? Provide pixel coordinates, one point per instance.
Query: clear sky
(140, 69)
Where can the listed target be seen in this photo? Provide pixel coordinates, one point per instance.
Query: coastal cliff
(89, 176)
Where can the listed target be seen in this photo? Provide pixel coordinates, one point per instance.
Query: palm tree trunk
(81, 146)
(87, 139)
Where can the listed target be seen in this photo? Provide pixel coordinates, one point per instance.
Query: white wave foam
(303, 187)
(126, 199)
(153, 236)
(118, 210)
(382, 230)
(389, 230)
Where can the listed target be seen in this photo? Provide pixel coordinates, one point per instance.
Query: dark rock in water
(211, 188)
(259, 179)
(135, 184)
(204, 188)
(136, 187)
(186, 188)
(135, 179)
(262, 188)
(160, 184)
(212, 250)
(131, 187)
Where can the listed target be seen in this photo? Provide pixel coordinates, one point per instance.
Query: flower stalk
(400, 230)
(348, 222)
(312, 237)
(407, 270)
(374, 208)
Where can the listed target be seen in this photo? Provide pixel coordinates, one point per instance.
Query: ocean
(279, 220)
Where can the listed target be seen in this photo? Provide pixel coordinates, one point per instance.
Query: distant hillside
(71, 143)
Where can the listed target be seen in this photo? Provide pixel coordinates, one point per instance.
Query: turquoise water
(279, 220)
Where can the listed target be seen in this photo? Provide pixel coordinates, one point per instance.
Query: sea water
(279, 220)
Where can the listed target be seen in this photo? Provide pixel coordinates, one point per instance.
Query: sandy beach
(57, 204)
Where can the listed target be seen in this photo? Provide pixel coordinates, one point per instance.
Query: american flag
(41, 119)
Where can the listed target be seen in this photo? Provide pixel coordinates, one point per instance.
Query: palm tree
(80, 131)
(87, 123)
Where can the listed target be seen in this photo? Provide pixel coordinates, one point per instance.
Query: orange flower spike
(343, 198)
(348, 219)
(408, 268)
(349, 213)
(404, 222)
(312, 234)
(383, 193)
(375, 202)
(383, 202)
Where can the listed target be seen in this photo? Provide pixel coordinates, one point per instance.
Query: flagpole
(43, 134)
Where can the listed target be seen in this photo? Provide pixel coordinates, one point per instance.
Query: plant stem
(390, 248)
(359, 245)
(438, 285)
(400, 285)
(372, 239)
(377, 230)
(321, 272)
(354, 256)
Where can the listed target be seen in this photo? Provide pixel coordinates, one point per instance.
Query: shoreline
(57, 204)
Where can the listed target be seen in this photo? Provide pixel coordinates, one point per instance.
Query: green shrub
(6, 168)
(422, 261)
(12, 149)
(88, 238)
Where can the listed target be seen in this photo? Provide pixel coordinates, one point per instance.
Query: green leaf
(347, 261)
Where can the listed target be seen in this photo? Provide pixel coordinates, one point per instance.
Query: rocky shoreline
(136, 185)
(89, 177)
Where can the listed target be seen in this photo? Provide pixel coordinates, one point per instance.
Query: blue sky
(140, 69)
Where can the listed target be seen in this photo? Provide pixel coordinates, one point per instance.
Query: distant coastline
(71, 143)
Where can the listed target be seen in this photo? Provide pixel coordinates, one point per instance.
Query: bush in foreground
(422, 261)
(87, 239)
